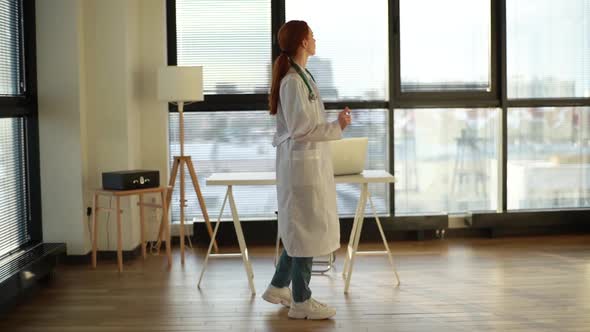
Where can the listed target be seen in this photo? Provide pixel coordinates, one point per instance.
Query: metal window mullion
(394, 48)
(448, 103)
(548, 102)
(28, 175)
(503, 93)
(335, 105)
(394, 88)
(277, 19)
(172, 52)
(495, 40)
(25, 175)
(30, 126)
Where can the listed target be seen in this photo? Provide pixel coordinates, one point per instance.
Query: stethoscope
(312, 95)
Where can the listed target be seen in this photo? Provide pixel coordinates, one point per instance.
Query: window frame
(506, 103)
(246, 102)
(252, 102)
(495, 98)
(25, 107)
(427, 99)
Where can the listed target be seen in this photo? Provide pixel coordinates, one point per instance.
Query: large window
(235, 51)
(17, 130)
(230, 39)
(548, 45)
(467, 102)
(241, 141)
(548, 75)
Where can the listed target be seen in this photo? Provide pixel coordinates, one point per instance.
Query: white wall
(154, 148)
(96, 78)
(60, 84)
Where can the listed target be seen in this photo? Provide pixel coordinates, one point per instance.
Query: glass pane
(445, 160)
(373, 124)
(242, 142)
(445, 45)
(221, 142)
(548, 157)
(548, 48)
(13, 193)
(230, 39)
(351, 61)
(10, 48)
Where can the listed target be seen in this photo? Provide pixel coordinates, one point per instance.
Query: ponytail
(290, 37)
(279, 70)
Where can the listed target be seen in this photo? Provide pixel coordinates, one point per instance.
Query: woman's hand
(344, 118)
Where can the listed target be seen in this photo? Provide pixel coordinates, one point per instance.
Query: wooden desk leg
(142, 226)
(212, 241)
(119, 235)
(359, 207)
(357, 235)
(166, 223)
(169, 191)
(195, 179)
(162, 232)
(94, 228)
(389, 256)
(241, 241)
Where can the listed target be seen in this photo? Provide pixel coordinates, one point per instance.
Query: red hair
(290, 36)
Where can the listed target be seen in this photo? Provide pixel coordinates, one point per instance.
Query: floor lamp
(179, 85)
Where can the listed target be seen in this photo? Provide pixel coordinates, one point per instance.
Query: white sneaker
(310, 309)
(277, 295)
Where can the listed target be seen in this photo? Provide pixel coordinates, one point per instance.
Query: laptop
(349, 155)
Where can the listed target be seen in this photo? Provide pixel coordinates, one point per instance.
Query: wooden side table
(117, 194)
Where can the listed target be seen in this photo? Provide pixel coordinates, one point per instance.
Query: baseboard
(102, 255)
(23, 273)
(539, 230)
(264, 232)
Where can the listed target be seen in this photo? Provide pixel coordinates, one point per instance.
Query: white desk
(268, 178)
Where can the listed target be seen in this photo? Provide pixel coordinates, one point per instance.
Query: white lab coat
(306, 192)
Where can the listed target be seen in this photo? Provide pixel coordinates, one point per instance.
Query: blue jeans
(296, 270)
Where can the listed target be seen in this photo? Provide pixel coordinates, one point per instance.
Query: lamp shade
(180, 83)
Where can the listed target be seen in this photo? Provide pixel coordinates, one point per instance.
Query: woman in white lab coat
(306, 192)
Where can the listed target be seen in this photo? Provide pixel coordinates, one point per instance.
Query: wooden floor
(515, 284)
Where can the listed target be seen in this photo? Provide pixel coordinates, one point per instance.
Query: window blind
(548, 49)
(548, 143)
(351, 61)
(230, 39)
(446, 160)
(10, 48)
(241, 141)
(13, 190)
(445, 45)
